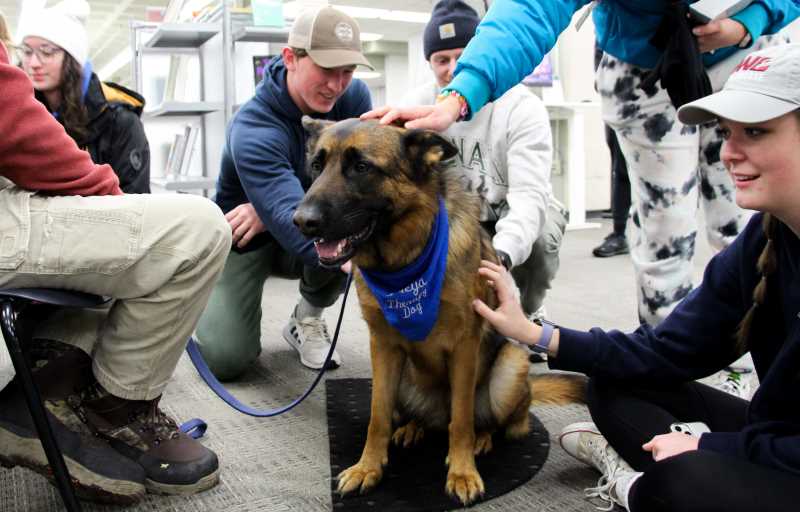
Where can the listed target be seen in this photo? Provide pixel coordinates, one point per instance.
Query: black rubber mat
(415, 478)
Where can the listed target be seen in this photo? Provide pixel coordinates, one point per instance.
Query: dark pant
(620, 184)
(701, 480)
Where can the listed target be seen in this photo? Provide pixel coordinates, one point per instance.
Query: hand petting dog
(509, 319)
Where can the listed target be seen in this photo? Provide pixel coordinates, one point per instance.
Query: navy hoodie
(697, 339)
(264, 158)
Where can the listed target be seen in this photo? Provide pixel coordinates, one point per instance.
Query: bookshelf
(213, 42)
(168, 111)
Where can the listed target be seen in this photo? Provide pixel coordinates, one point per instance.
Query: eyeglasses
(43, 53)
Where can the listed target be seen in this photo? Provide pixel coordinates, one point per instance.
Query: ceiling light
(292, 9)
(407, 16)
(366, 75)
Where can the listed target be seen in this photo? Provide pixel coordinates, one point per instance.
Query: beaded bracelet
(462, 101)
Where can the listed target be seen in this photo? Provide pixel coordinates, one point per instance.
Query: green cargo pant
(229, 332)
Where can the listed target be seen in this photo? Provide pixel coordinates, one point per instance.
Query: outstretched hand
(436, 117)
(508, 318)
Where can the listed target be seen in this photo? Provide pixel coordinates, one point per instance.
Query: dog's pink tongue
(328, 250)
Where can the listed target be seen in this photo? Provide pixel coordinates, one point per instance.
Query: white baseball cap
(765, 85)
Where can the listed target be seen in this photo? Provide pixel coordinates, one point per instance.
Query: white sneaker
(737, 382)
(310, 338)
(584, 442)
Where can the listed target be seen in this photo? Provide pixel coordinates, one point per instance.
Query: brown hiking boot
(98, 472)
(173, 462)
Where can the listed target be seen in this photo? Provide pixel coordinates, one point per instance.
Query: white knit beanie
(64, 25)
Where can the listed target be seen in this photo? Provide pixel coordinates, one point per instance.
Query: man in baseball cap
(263, 178)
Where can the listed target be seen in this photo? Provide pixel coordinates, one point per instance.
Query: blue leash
(197, 427)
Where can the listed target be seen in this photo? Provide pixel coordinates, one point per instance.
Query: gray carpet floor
(281, 464)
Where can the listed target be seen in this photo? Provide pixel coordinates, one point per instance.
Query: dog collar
(409, 297)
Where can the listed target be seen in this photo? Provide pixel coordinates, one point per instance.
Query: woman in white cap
(662, 441)
(103, 118)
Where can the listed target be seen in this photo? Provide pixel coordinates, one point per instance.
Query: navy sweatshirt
(264, 158)
(696, 340)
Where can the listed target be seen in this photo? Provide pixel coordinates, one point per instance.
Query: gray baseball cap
(331, 38)
(763, 86)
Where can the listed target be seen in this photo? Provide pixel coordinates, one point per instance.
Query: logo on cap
(344, 32)
(753, 63)
(447, 31)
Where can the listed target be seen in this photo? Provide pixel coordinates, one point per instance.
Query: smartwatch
(543, 343)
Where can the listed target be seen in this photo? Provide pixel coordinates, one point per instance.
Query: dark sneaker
(173, 462)
(613, 245)
(97, 471)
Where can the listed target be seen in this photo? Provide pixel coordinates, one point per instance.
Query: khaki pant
(157, 256)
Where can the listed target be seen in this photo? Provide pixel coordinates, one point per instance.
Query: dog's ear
(314, 127)
(427, 149)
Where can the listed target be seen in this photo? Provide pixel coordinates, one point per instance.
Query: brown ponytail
(767, 264)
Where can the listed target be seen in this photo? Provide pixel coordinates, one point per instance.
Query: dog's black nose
(308, 218)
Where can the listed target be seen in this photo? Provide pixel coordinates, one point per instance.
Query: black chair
(20, 308)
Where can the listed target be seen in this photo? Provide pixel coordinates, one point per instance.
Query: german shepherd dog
(374, 198)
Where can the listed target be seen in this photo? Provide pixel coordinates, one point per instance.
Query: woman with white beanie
(103, 118)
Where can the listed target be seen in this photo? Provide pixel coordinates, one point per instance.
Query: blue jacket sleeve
(510, 42)
(774, 444)
(767, 16)
(271, 186)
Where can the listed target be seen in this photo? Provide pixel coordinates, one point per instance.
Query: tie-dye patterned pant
(673, 169)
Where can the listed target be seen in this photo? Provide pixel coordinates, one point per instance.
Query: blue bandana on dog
(409, 298)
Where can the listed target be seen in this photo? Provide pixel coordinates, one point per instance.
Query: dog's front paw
(467, 486)
(408, 435)
(360, 476)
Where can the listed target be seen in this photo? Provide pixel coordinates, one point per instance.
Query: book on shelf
(178, 86)
(181, 151)
(175, 152)
(189, 149)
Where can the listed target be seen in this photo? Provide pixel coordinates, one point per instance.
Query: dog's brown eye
(316, 166)
(362, 167)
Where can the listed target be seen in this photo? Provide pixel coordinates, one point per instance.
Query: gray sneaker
(310, 338)
(584, 442)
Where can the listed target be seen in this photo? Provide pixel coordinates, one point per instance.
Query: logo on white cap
(758, 63)
(344, 32)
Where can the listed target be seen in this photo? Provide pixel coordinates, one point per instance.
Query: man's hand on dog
(508, 318)
(436, 117)
(245, 224)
